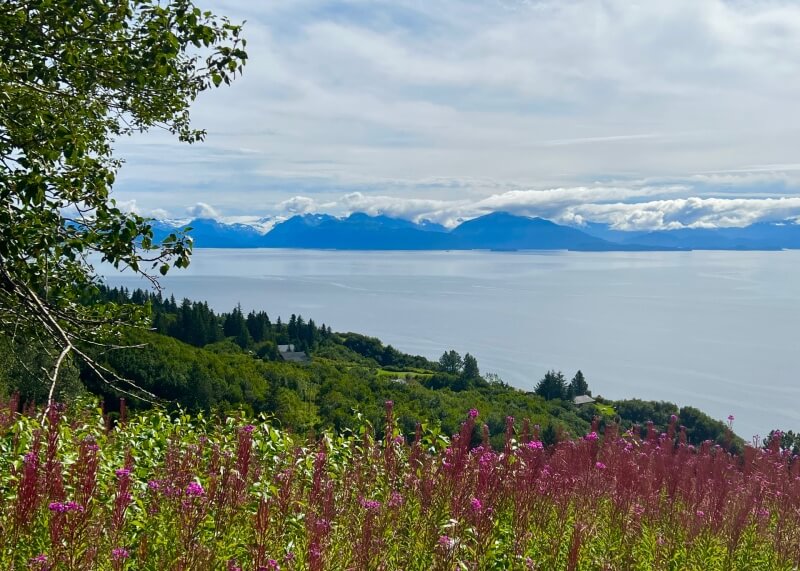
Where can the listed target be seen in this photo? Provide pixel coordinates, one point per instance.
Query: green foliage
(578, 385)
(701, 427)
(552, 386)
(22, 367)
(343, 382)
(386, 356)
(74, 76)
(471, 370)
(636, 411)
(326, 393)
(786, 440)
(193, 492)
(451, 362)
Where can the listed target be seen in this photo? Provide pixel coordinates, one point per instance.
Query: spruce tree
(578, 386)
(552, 386)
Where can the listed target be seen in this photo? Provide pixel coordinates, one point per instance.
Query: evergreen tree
(311, 334)
(235, 326)
(451, 362)
(578, 386)
(471, 370)
(258, 325)
(552, 386)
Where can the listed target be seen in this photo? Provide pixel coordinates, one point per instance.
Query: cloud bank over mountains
(570, 206)
(574, 206)
(642, 115)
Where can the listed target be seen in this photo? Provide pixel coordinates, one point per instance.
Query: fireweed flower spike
(195, 490)
(336, 499)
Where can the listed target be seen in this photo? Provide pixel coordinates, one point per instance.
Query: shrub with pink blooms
(198, 493)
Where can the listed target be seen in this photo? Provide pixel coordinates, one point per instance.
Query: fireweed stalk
(188, 493)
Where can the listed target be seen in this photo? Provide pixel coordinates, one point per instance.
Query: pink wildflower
(370, 505)
(39, 563)
(395, 500)
(65, 507)
(195, 489)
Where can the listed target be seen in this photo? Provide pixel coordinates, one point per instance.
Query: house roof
(295, 356)
(286, 348)
(583, 399)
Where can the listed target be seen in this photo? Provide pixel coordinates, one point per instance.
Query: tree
(471, 370)
(578, 386)
(451, 362)
(75, 75)
(552, 386)
(235, 326)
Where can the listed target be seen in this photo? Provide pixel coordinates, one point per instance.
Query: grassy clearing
(405, 375)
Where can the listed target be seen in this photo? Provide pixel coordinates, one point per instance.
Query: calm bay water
(716, 330)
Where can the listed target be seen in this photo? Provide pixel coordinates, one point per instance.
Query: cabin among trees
(288, 353)
(555, 386)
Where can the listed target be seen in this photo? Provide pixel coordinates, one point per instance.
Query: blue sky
(638, 114)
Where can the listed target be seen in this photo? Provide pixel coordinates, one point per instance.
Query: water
(715, 330)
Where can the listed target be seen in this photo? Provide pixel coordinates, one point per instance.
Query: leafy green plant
(179, 491)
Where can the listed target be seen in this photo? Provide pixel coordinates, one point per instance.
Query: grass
(405, 375)
(605, 409)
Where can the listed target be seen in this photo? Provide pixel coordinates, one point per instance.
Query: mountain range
(495, 231)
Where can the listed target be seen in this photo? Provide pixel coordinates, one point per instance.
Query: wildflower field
(170, 492)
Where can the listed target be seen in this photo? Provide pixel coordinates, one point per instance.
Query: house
(288, 353)
(583, 399)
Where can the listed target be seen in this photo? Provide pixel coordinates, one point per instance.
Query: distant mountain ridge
(494, 231)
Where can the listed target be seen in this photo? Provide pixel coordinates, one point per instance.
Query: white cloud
(580, 205)
(128, 206)
(390, 98)
(202, 210)
(693, 212)
(298, 205)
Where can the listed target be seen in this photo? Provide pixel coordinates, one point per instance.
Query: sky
(636, 113)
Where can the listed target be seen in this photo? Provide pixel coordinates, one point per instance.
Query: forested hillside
(199, 360)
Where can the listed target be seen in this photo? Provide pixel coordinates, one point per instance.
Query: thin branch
(54, 378)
